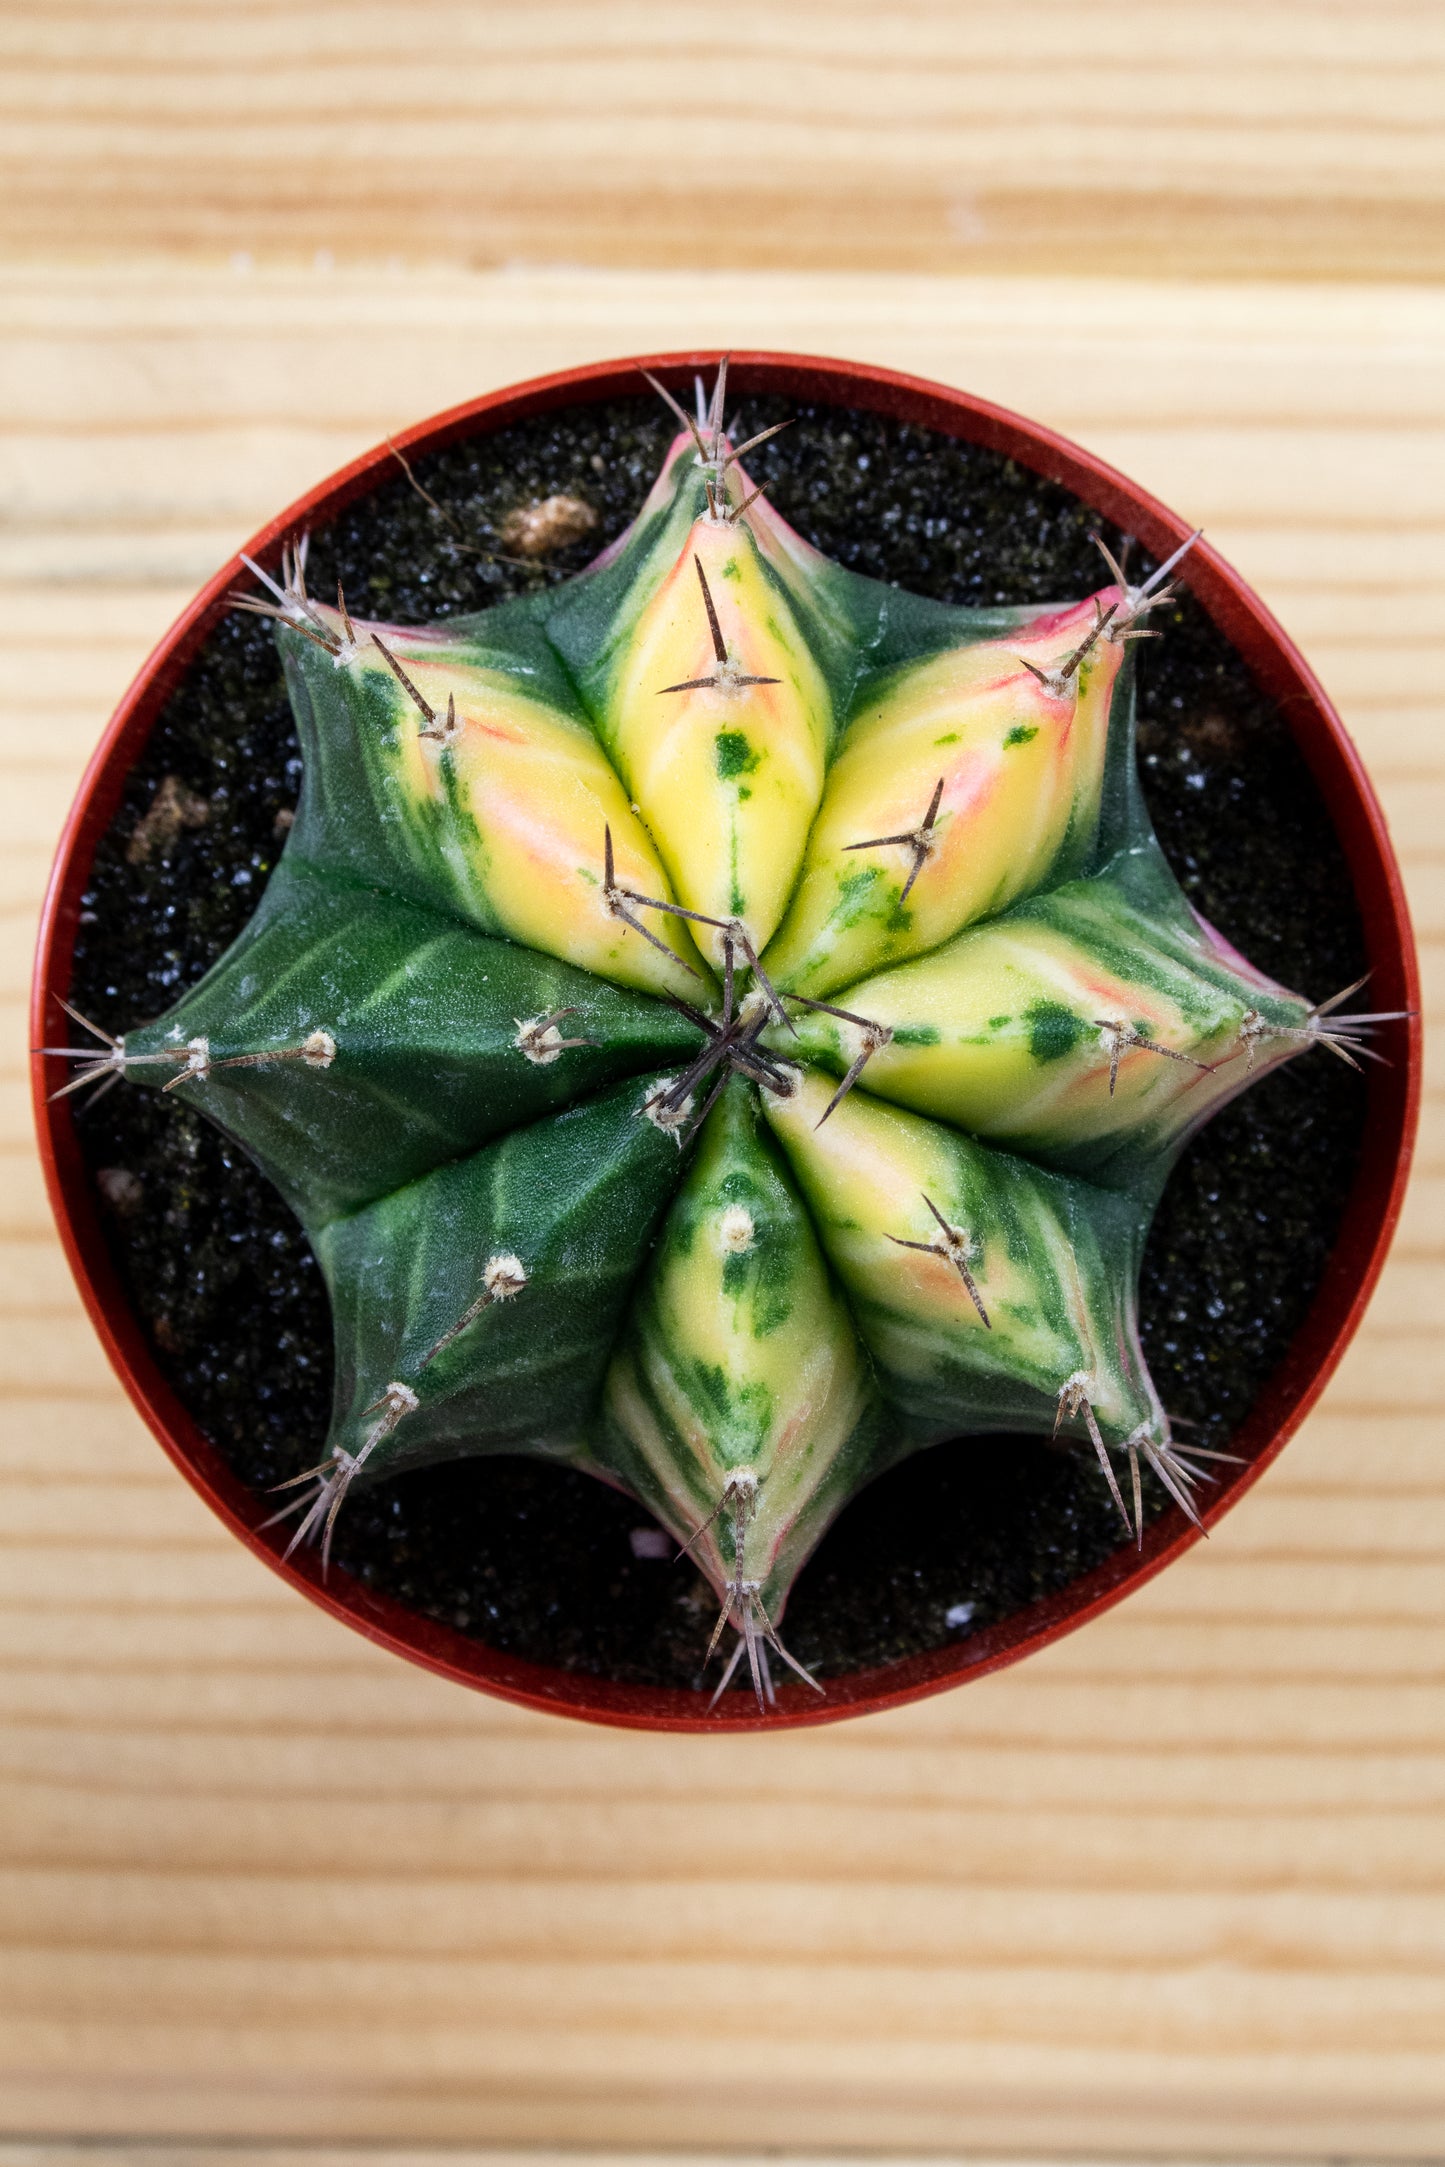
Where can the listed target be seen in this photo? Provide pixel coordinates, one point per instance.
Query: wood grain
(1300, 139)
(1177, 1885)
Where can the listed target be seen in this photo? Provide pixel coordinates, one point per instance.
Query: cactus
(724, 1024)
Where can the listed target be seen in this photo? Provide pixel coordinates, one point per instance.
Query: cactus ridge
(724, 1024)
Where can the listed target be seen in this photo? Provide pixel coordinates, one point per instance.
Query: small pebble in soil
(540, 530)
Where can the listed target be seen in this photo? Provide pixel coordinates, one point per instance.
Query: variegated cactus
(724, 1024)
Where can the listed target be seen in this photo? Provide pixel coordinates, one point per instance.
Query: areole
(1371, 1213)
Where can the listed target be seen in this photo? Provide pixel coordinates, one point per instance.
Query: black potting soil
(532, 1558)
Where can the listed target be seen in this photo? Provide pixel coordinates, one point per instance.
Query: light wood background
(1177, 1886)
(1285, 139)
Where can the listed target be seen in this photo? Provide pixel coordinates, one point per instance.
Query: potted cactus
(725, 1023)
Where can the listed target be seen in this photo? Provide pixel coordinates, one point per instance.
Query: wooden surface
(1298, 138)
(1176, 1887)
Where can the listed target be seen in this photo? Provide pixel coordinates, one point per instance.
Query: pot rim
(1355, 1261)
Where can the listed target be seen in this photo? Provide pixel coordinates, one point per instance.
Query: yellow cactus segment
(866, 1171)
(870, 1174)
(727, 773)
(742, 1358)
(1015, 1031)
(521, 797)
(1020, 766)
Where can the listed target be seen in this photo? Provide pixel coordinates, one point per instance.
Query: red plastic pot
(1370, 1217)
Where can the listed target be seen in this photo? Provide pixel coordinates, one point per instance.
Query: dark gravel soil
(535, 1559)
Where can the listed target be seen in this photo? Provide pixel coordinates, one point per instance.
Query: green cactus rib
(578, 1195)
(724, 1025)
(429, 1014)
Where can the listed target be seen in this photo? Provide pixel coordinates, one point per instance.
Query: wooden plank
(1216, 139)
(58, 2153)
(1179, 1884)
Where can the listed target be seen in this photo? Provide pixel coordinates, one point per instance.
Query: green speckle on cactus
(735, 756)
(1053, 1029)
(726, 1140)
